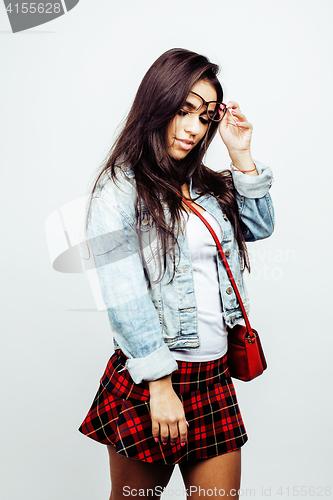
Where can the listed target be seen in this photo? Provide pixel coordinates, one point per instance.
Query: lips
(184, 143)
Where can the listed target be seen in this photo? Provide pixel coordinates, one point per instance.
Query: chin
(178, 155)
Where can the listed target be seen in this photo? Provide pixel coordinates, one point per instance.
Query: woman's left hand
(235, 130)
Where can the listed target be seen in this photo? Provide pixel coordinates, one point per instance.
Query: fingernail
(156, 440)
(182, 444)
(188, 425)
(234, 111)
(228, 105)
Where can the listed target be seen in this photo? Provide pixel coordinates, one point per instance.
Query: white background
(65, 87)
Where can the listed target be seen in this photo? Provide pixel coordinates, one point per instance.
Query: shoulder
(119, 190)
(114, 200)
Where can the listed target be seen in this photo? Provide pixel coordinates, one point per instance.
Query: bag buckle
(251, 338)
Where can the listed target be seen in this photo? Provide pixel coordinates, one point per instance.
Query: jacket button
(233, 319)
(227, 252)
(229, 290)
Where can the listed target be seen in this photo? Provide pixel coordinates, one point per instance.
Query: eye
(204, 120)
(185, 111)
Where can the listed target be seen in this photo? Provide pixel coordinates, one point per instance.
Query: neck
(185, 190)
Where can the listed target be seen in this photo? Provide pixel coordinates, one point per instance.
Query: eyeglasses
(215, 110)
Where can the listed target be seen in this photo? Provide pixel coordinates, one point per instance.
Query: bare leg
(128, 476)
(214, 474)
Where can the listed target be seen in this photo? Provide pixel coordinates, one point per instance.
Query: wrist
(243, 162)
(160, 386)
(254, 169)
(240, 158)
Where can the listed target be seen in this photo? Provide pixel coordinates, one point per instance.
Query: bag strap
(218, 244)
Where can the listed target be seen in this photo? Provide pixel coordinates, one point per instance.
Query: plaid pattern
(120, 413)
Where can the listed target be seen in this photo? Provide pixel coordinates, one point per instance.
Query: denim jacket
(148, 317)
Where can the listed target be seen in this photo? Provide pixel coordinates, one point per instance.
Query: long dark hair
(142, 144)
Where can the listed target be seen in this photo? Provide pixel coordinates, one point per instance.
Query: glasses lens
(216, 111)
(193, 103)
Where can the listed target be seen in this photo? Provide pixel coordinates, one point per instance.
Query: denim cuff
(156, 365)
(252, 186)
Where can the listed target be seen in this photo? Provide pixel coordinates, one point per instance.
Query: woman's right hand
(167, 412)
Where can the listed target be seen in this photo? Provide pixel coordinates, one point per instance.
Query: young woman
(166, 395)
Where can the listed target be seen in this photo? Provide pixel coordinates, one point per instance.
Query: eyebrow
(190, 105)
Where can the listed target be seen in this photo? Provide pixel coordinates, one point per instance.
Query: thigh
(220, 475)
(129, 476)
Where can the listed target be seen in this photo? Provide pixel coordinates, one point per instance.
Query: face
(187, 129)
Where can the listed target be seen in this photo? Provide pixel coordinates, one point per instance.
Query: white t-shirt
(211, 326)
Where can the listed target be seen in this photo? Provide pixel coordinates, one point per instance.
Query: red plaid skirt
(120, 413)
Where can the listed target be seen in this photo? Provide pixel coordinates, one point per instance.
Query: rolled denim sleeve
(133, 318)
(255, 205)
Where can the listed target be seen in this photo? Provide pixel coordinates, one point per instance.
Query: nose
(192, 124)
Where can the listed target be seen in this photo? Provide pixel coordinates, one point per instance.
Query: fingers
(182, 427)
(164, 433)
(235, 130)
(246, 125)
(236, 117)
(172, 432)
(167, 413)
(178, 430)
(155, 430)
(233, 105)
(160, 430)
(173, 427)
